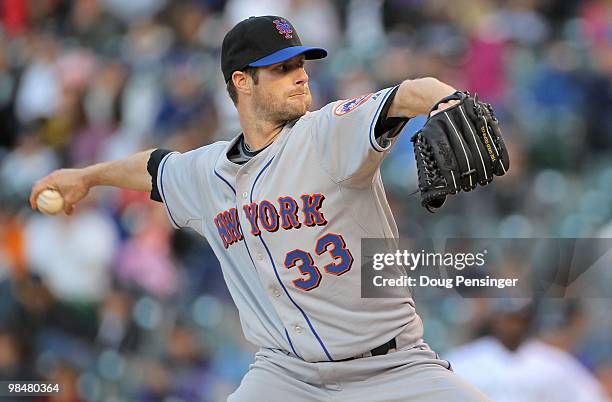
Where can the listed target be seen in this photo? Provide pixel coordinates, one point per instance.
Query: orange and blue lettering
(268, 216)
(288, 213)
(342, 259)
(250, 211)
(223, 232)
(310, 208)
(232, 224)
(311, 277)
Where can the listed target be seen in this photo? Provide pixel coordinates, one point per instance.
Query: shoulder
(199, 161)
(323, 118)
(205, 153)
(367, 103)
(214, 148)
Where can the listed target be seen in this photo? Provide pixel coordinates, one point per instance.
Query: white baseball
(50, 202)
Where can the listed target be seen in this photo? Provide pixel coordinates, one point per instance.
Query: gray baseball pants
(403, 375)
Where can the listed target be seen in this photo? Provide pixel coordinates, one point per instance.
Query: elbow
(418, 84)
(415, 96)
(422, 94)
(427, 81)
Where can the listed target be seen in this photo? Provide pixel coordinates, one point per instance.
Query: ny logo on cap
(283, 28)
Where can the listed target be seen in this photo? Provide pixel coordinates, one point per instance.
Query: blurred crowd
(117, 306)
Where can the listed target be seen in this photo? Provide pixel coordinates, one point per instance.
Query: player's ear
(242, 82)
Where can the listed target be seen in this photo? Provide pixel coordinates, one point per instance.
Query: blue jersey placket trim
(238, 217)
(225, 181)
(291, 344)
(278, 277)
(249, 252)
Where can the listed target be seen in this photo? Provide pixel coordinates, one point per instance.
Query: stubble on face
(280, 109)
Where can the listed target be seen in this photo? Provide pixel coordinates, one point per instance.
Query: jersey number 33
(334, 244)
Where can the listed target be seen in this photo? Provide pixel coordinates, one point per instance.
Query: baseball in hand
(50, 202)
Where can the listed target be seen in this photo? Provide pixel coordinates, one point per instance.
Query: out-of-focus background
(116, 306)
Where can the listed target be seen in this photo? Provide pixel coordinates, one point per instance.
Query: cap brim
(311, 53)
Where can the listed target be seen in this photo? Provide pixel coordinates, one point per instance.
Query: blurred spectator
(238, 10)
(190, 368)
(66, 376)
(156, 382)
(12, 362)
(509, 365)
(8, 89)
(144, 261)
(116, 328)
(30, 159)
(39, 90)
(73, 254)
(604, 374)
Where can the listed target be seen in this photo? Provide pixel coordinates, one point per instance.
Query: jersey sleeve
(179, 185)
(344, 133)
(153, 169)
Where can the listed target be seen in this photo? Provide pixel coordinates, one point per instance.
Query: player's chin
(293, 114)
(300, 103)
(295, 110)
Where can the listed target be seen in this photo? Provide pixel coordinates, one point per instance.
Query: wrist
(91, 175)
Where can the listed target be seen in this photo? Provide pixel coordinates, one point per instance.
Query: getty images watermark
(486, 268)
(436, 260)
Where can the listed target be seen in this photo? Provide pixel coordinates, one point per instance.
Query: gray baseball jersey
(286, 227)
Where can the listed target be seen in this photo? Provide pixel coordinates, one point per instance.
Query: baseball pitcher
(285, 203)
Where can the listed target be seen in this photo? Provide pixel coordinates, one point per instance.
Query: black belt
(378, 351)
(383, 349)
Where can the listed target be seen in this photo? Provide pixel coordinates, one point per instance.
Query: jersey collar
(229, 170)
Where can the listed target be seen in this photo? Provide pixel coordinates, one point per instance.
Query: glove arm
(418, 96)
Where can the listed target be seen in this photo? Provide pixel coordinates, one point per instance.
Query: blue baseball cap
(262, 41)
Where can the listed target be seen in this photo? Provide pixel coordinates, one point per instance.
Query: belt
(383, 349)
(377, 351)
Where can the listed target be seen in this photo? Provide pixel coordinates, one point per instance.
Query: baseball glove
(457, 149)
